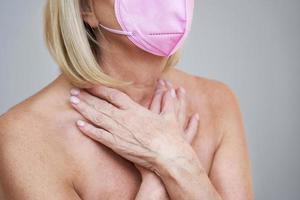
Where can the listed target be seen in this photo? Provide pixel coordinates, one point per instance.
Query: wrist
(179, 165)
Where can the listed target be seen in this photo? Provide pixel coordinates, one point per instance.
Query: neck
(129, 63)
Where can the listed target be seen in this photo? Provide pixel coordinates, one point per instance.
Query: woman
(159, 133)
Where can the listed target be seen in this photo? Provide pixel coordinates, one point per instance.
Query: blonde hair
(73, 46)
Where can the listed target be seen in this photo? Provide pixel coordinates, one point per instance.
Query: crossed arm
(169, 181)
(230, 174)
(178, 172)
(166, 150)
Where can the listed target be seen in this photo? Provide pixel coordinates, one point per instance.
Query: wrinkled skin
(132, 131)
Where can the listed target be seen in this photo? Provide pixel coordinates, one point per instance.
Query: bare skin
(45, 156)
(40, 146)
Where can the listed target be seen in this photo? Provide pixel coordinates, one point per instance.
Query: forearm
(186, 179)
(152, 188)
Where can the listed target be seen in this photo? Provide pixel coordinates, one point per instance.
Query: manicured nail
(80, 123)
(74, 100)
(161, 82)
(182, 90)
(159, 86)
(197, 117)
(75, 91)
(173, 93)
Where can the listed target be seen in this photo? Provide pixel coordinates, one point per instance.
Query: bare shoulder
(18, 124)
(216, 95)
(32, 159)
(229, 166)
(215, 101)
(219, 95)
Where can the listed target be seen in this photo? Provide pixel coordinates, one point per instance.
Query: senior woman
(120, 121)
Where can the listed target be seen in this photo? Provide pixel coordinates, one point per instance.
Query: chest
(102, 174)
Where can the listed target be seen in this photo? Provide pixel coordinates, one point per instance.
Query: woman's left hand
(146, 138)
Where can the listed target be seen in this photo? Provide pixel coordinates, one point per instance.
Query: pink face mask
(156, 26)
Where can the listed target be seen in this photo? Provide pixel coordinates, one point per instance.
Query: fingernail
(173, 93)
(159, 86)
(74, 100)
(161, 82)
(80, 123)
(197, 117)
(182, 90)
(75, 91)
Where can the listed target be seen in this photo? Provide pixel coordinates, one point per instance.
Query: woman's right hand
(151, 183)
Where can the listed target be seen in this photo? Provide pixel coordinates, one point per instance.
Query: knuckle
(96, 107)
(98, 119)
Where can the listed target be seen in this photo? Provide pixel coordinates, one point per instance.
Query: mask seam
(185, 29)
(157, 34)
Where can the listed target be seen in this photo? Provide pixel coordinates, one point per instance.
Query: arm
(155, 141)
(152, 186)
(185, 178)
(232, 156)
(230, 173)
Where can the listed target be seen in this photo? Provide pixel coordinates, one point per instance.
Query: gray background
(253, 46)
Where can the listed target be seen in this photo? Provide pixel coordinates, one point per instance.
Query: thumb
(192, 128)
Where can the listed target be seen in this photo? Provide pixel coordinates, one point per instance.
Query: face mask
(156, 26)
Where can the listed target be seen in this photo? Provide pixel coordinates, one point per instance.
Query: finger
(170, 86)
(181, 105)
(104, 137)
(155, 105)
(168, 102)
(93, 114)
(97, 134)
(98, 104)
(114, 96)
(192, 128)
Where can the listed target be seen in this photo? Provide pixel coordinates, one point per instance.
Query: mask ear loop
(104, 38)
(127, 33)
